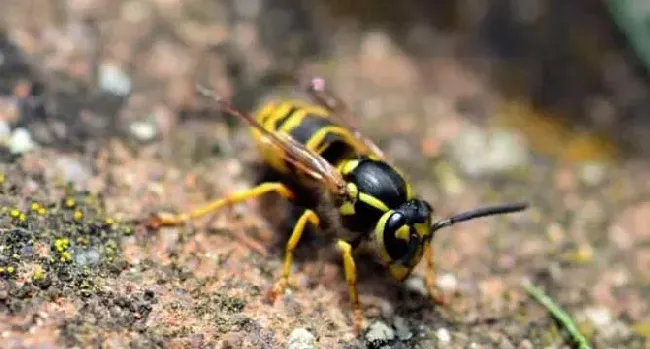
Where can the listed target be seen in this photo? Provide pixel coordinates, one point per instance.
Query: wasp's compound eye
(396, 245)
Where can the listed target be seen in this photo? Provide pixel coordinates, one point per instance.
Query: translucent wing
(303, 158)
(334, 104)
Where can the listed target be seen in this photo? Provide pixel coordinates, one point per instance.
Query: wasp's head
(402, 236)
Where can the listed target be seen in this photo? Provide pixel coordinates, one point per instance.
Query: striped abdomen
(309, 125)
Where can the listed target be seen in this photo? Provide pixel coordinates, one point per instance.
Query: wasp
(341, 180)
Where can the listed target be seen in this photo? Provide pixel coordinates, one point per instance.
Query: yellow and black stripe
(308, 124)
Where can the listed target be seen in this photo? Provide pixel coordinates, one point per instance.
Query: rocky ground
(99, 127)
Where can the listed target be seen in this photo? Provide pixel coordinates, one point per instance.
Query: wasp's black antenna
(478, 213)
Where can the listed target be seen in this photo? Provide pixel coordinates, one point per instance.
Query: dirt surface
(100, 127)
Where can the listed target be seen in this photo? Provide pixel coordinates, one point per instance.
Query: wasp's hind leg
(308, 216)
(159, 220)
(350, 269)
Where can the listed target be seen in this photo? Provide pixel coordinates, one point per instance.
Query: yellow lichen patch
(38, 208)
(69, 202)
(65, 257)
(77, 215)
(582, 255)
(550, 136)
(18, 214)
(127, 230)
(642, 329)
(2, 178)
(39, 274)
(61, 246)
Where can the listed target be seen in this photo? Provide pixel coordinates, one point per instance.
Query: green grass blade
(560, 315)
(633, 18)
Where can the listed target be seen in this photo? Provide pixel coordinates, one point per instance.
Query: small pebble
(599, 316)
(89, 257)
(592, 173)
(21, 141)
(143, 131)
(301, 338)
(448, 281)
(73, 171)
(112, 79)
(444, 337)
(402, 330)
(5, 132)
(480, 153)
(379, 333)
(417, 285)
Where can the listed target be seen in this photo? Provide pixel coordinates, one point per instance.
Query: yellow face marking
(373, 201)
(379, 237)
(422, 229)
(403, 233)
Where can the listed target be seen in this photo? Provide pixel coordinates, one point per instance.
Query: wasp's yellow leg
(308, 216)
(231, 199)
(350, 269)
(430, 277)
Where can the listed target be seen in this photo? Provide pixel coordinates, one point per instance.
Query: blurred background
(479, 101)
(570, 77)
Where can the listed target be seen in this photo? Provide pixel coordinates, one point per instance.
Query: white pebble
(73, 171)
(448, 281)
(593, 173)
(402, 329)
(599, 316)
(114, 80)
(443, 335)
(379, 333)
(301, 338)
(21, 141)
(480, 152)
(417, 285)
(5, 132)
(143, 131)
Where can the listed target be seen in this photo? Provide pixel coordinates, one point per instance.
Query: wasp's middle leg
(350, 269)
(308, 216)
